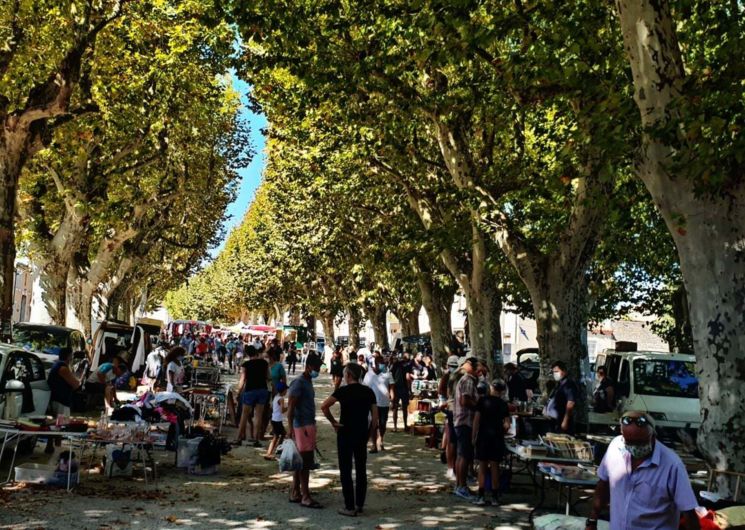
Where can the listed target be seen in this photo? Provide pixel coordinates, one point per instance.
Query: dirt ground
(407, 489)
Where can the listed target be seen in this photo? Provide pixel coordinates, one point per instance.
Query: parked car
(661, 383)
(47, 341)
(23, 383)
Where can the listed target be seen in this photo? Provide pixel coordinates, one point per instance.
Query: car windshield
(665, 377)
(45, 340)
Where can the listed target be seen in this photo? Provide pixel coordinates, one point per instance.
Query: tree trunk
(560, 307)
(379, 319)
(116, 308)
(53, 280)
(409, 322)
(713, 265)
(294, 316)
(12, 159)
(134, 307)
(682, 336)
(355, 323)
(438, 302)
(80, 303)
(708, 233)
(485, 333)
(328, 329)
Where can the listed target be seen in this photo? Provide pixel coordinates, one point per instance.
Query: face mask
(451, 370)
(383, 368)
(639, 451)
(314, 374)
(557, 376)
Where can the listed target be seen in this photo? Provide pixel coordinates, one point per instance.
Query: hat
(453, 361)
(472, 360)
(281, 386)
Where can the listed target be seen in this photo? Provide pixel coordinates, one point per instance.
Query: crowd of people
(372, 385)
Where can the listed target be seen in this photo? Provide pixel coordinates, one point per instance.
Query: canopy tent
(260, 328)
(238, 327)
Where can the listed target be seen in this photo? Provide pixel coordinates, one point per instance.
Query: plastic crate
(35, 473)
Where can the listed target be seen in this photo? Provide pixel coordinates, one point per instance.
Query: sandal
(315, 505)
(294, 501)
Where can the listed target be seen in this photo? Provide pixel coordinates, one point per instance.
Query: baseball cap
(453, 361)
(281, 386)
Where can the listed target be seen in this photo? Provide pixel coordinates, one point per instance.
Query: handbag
(290, 459)
(550, 410)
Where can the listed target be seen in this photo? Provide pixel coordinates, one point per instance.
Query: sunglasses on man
(640, 421)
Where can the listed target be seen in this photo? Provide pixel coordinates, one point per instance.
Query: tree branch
(50, 98)
(64, 192)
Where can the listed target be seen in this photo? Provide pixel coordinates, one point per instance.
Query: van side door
(37, 380)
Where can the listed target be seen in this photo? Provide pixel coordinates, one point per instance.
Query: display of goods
(566, 446)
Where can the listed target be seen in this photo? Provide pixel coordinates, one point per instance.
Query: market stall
(13, 433)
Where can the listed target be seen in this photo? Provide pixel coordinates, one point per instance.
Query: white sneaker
(450, 474)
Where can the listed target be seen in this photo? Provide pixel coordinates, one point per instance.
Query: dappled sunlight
(407, 489)
(96, 513)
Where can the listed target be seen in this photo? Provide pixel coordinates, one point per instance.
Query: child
(279, 408)
(491, 422)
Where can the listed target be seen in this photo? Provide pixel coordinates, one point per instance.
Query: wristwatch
(591, 522)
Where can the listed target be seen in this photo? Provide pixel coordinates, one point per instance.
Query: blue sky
(251, 175)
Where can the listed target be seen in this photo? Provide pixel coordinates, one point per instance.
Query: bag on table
(290, 459)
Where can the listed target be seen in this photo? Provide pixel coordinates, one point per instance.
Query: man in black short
(352, 432)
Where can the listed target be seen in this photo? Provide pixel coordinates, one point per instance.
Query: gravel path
(408, 489)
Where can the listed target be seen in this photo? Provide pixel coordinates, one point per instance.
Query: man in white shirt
(153, 364)
(258, 344)
(379, 379)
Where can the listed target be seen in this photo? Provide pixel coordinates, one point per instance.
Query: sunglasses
(641, 421)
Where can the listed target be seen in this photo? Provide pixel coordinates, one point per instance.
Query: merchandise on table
(567, 446)
(531, 448)
(568, 472)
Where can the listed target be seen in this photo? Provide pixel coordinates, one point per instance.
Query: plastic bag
(290, 459)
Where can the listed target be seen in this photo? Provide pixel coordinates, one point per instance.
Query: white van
(663, 384)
